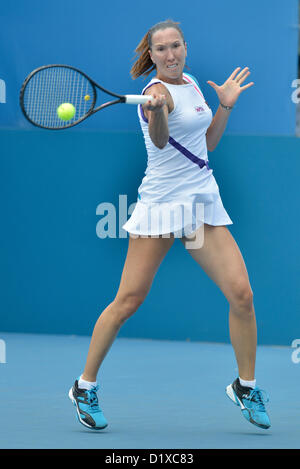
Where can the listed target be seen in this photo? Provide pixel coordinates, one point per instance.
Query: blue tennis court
(156, 394)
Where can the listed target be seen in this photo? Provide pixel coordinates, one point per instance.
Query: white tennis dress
(178, 192)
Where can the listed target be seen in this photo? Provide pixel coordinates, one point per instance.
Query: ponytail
(143, 65)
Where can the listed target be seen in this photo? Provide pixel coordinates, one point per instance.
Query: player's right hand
(157, 103)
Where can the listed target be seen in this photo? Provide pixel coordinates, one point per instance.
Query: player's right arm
(157, 114)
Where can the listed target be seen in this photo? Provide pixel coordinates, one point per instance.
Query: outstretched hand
(229, 92)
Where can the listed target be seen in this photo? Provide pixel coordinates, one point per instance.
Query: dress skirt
(181, 213)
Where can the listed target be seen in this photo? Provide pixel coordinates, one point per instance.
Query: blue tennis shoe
(87, 407)
(252, 403)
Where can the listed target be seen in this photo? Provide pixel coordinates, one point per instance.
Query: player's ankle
(87, 378)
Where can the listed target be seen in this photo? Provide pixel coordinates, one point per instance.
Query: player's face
(168, 53)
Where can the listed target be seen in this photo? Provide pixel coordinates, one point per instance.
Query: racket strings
(51, 87)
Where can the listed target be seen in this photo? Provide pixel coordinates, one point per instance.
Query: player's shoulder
(193, 80)
(156, 87)
(189, 77)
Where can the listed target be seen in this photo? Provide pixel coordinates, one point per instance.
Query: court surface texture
(154, 394)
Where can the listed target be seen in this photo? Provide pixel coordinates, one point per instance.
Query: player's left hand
(229, 92)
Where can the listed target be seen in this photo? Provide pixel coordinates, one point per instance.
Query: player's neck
(171, 81)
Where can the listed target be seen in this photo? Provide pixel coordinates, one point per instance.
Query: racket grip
(137, 98)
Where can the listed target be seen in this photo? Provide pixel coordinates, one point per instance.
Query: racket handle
(137, 98)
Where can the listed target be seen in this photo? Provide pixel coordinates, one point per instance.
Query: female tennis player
(179, 128)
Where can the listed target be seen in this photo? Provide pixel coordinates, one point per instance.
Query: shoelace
(93, 398)
(260, 397)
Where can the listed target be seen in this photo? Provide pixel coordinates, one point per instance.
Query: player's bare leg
(143, 259)
(222, 260)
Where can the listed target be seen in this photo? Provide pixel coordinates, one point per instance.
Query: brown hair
(143, 64)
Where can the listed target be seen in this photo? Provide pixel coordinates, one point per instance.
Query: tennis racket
(47, 87)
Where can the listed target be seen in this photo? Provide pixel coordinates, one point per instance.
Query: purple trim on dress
(142, 114)
(150, 84)
(201, 163)
(141, 108)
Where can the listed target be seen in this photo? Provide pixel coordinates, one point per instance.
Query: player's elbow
(161, 145)
(209, 144)
(160, 141)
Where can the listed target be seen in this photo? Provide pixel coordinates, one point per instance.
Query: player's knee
(241, 297)
(127, 305)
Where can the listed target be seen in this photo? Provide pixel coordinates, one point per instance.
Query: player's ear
(149, 51)
(185, 46)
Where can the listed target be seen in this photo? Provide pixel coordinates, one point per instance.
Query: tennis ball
(87, 97)
(66, 111)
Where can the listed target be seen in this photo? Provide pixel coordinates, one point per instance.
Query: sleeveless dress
(178, 192)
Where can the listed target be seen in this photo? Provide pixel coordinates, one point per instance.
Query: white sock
(248, 384)
(82, 384)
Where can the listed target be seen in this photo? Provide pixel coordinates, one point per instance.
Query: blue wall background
(100, 39)
(56, 274)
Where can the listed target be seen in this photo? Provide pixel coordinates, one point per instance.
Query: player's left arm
(217, 128)
(228, 94)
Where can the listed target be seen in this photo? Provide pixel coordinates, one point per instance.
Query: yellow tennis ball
(87, 97)
(66, 111)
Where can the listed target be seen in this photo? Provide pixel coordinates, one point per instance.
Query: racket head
(47, 87)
